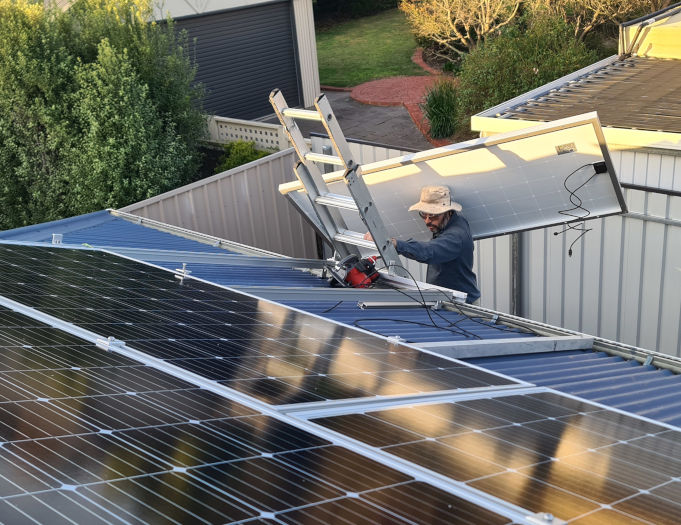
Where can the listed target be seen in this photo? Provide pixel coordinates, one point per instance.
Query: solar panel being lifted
(88, 436)
(268, 351)
(553, 173)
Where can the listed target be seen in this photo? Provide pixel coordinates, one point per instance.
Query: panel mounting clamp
(181, 273)
(110, 343)
(544, 518)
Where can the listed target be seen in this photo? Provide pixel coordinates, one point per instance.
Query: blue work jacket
(449, 255)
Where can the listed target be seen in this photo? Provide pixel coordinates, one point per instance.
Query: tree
(522, 57)
(587, 15)
(457, 26)
(97, 108)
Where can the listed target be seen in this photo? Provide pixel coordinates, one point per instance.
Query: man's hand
(368, 237)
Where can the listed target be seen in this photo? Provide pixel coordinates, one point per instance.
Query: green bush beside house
(97, 109)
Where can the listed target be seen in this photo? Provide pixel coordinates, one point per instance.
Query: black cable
(357, 322)
(331, 308)
(459, 330)
(502, 328)
(422, 302)
(577, 201)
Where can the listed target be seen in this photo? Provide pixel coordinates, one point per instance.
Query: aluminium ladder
(326, 204)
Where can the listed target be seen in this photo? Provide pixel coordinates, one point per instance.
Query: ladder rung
(337, 201)
(327, 159)
(304, 114)
(354, 238)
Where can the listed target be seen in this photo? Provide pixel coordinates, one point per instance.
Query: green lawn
(367, 48)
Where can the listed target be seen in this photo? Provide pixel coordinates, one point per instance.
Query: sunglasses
(426, 216)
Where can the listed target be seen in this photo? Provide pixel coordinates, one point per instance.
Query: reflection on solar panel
(88, 436)
(267, 351)
(539, 451)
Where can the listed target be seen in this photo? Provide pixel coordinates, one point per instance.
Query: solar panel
(546, 175)
(88, 435)
(150, 448)
(268, 351)
(544, 451)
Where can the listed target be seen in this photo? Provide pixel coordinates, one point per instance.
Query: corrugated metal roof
(413, 325)
(611, 380)
(103, 229)
(635, 93)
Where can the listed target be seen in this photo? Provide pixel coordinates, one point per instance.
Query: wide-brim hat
(435, 200)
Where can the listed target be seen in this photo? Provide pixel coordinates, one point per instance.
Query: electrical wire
(577, 201)
(422, 303)
(332, 307)
(450, 324)
(357, 322)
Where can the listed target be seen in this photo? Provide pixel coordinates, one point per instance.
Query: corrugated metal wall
(623, 281)
(243, 54)
(242, 205)
(649, 167)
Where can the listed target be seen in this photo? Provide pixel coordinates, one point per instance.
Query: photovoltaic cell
(543, 452)
(268, 351)
(88, 436)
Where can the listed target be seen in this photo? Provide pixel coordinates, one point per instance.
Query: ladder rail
(326, 204)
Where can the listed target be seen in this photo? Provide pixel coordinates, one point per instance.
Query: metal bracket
(181, 273)
(110, 343)
(544, 518)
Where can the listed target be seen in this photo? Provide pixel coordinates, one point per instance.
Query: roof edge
(30, 233)
(193, 235)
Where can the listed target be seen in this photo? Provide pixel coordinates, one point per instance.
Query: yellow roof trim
(616, 138)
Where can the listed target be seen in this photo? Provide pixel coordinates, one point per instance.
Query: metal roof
(570, 366)
(597, 376)
(634, 93)
(104, 229)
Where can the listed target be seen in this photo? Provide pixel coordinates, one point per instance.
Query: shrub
(517, 61)
(439, 107)
(238, 153)
(97, 108)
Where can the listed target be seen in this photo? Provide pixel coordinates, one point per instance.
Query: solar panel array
(539, 451)
(274, 353)
(91, 436)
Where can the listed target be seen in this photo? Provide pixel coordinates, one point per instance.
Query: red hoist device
(350, 268)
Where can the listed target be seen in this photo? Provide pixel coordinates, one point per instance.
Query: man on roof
(449, 254)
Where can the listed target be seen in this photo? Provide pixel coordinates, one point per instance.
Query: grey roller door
(243, 54)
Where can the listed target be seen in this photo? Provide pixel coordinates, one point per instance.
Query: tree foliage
(458, 26)
(587, 15)
(524, 56)
(97, 108)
